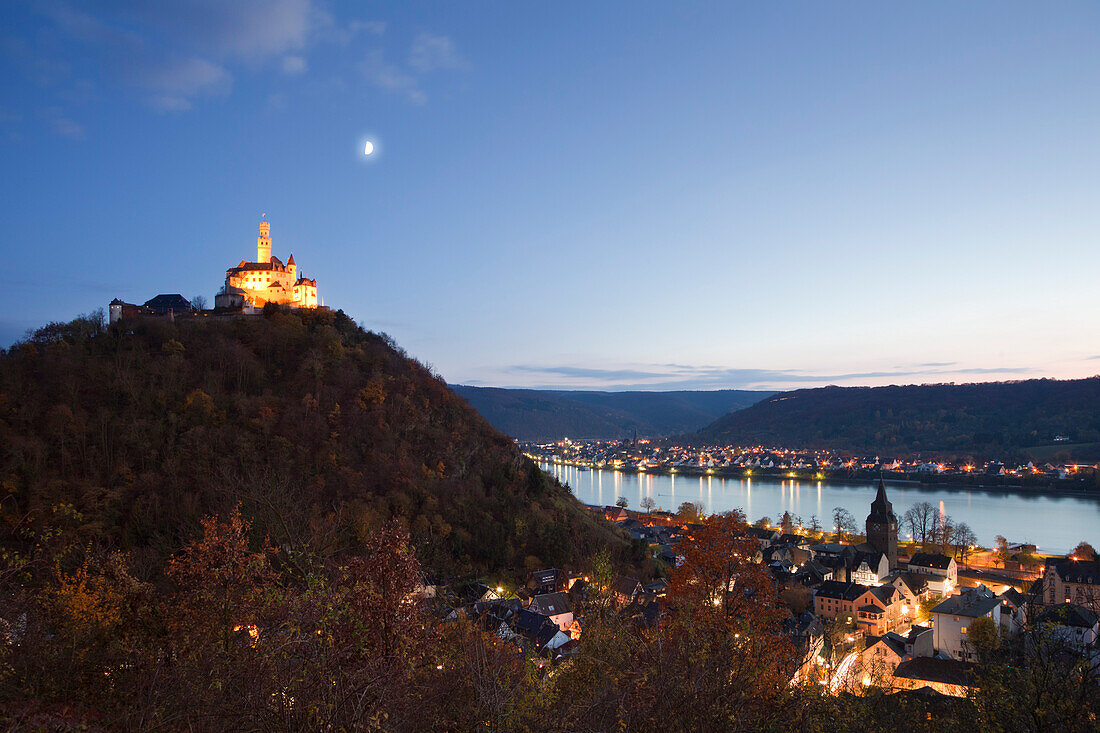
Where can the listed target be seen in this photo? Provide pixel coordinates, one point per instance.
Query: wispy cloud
(431, 53)
(294, 64)
(680, 376)
(174, 54)
(428, 54)
(345, 33)
(67, 128)
(388, 77)
(174, 83)
(179, 51)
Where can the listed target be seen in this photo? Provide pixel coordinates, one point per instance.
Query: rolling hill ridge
(993, 419)
(530, 414)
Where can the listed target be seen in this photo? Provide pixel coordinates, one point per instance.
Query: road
(842, 671)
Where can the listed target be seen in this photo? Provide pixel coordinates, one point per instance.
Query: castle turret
(882, 526)
(263, 243)
(292, 269)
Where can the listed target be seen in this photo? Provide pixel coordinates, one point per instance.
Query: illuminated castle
(267, 280)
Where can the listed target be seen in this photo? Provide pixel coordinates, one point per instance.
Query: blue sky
(597, 195)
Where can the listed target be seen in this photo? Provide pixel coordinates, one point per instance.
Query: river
(1055, 523)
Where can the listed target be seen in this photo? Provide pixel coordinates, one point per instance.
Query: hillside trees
(238, 638)
(995, 420)
(717, 660)
(322, 431)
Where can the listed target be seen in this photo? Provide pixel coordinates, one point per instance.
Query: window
(963, 629)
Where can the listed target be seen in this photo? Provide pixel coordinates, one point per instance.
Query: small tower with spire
(263, 243)
(882, 526)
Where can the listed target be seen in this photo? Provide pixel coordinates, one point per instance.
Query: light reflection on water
(1054, 522)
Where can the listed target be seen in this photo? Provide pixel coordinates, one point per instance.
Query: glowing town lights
(253, 632)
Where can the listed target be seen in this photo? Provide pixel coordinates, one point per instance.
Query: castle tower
(882, 526)
(292, 269)
(263, 243)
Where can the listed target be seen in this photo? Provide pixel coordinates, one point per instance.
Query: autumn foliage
(323, 432)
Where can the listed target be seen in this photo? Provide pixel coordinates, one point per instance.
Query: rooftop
(933, 669)
(935, 560)
(972, 603)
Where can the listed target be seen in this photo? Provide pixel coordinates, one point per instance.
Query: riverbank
(1036, 484)
(1053, 521)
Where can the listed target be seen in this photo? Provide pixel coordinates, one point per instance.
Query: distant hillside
(529, 414)
(996, 419)
(322, 431)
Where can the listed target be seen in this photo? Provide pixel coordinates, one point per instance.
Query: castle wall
(277, 283)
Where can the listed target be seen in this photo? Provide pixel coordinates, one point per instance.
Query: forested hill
(320, 430)
(994, 419)
(531, 414)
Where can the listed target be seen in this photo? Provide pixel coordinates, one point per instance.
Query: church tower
(263, 243)
(882, 526)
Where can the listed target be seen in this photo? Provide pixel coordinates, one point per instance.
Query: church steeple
(881, 506)
(882, 526)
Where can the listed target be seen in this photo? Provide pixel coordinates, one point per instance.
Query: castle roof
(250, 266)
(169, 302)
(274, 264)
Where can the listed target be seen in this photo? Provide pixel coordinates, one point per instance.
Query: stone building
(252, 285)
(1072, 581)
(882, 526)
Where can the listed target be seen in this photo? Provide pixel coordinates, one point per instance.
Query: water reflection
(1056, 523)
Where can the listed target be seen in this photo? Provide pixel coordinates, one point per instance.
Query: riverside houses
(1072, 581)
(952, 618)
(875, 609)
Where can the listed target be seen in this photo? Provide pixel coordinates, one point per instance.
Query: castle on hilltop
(267, 280)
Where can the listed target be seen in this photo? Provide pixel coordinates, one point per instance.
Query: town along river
(1053, 522)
